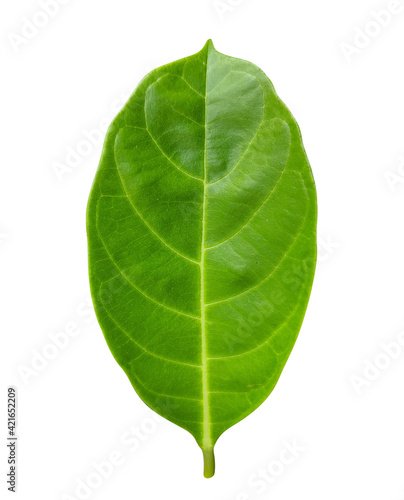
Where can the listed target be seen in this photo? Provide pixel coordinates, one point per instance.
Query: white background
(79, 408)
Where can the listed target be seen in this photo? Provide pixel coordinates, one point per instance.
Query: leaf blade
(201, 228)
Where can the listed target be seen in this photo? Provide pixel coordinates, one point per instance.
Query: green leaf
(201, 230)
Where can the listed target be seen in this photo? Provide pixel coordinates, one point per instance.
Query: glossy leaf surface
(201, 229)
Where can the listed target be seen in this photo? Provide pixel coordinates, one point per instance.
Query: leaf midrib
(206, 438)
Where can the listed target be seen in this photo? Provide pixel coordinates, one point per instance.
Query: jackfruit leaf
(201, 229)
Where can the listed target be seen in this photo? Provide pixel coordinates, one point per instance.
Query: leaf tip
(209, 45)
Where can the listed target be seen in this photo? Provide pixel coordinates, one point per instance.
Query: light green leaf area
(201, 230)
